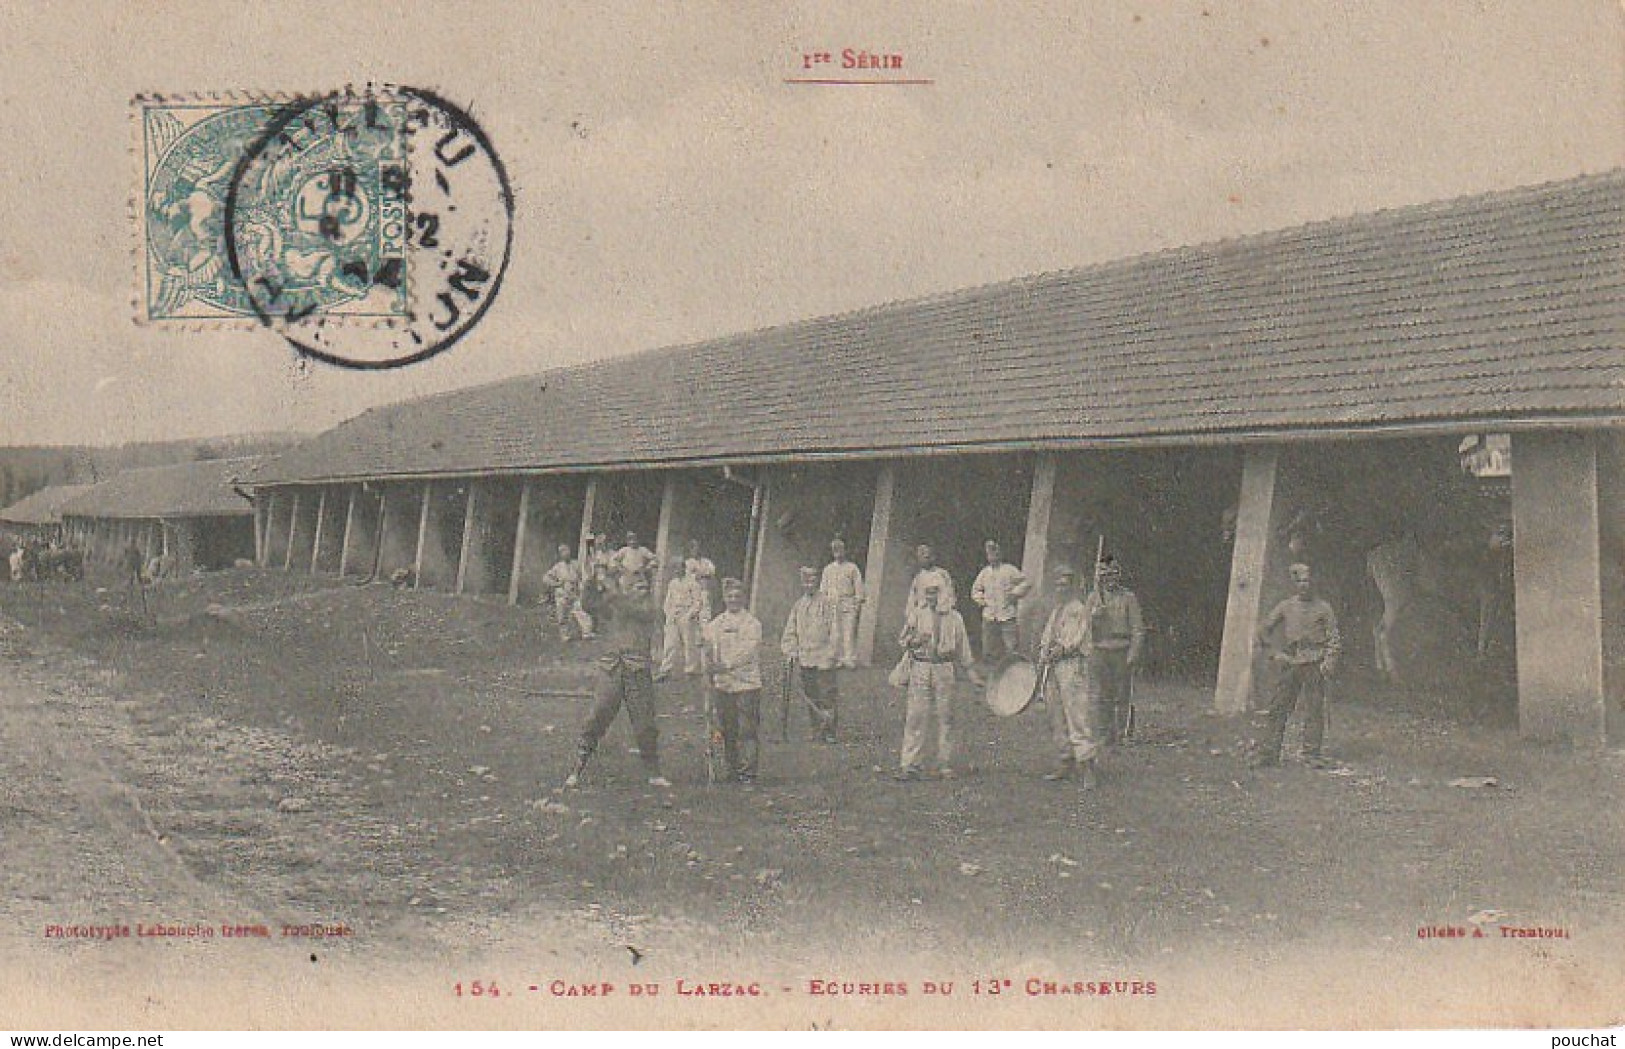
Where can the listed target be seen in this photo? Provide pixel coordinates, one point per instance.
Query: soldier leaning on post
(842, 583)
(630, 624)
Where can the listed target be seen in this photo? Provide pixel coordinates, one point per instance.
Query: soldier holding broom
(1116, 636)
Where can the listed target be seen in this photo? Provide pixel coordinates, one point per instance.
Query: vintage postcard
(1101, 515)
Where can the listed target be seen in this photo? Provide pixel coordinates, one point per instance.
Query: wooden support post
(521, 530)
(383, 532)
(1611, 540)
(470, 508)
(349, 533)
(261, 514)
(753, 537)
(1248, 562)
(765, 494)
(321, 526)
(293, 532)
(423, 534)
(1558, 572)
(264, 557)
(586, 517)
(1035, 548)
(668, 507)
(874, 569)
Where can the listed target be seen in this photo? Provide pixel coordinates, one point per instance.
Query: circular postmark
(369, 229)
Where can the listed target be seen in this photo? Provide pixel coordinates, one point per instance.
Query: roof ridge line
(686, 347)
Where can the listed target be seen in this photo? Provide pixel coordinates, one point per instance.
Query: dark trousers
(824, 700)
(1294, 681)
(739, 717)
(1108, 679)
(625, 682)
(999, 640)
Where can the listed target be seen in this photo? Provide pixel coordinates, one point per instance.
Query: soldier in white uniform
(927, 570)
(842, 583)
(685, 615)
(562, 585)
(998, 589)
(733, 662)
(809, 641)
(934, 638)
(1063, 651)
(703, 571)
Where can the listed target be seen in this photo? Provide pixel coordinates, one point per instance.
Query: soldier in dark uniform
(1116, 635)
(1303, 641)
(133, 567)
(630, 623)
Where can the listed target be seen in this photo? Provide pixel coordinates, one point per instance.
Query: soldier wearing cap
(998, 589)
(934, 638)
(630, 624)
(842, 583)
(1116, 635)
(732, 654)
(1063, 651)
(562, 584)
(703, 571)
(927, 570)
(1302, 638)
(599, 554)
(685, 607)
(810, 640)
(632, 561)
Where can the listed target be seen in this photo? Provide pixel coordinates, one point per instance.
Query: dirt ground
(266, 750)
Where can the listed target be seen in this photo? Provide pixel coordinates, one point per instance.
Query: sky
(671, 187)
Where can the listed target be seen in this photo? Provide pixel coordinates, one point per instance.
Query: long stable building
(196, 512)
(38, 515)
(1192, 409)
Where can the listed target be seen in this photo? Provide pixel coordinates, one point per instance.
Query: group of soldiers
(610, 597)
(32, 560)
(1087, 652)
(566, 582)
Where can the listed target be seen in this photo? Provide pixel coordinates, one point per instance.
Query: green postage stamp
(369, 229)
(323, 222)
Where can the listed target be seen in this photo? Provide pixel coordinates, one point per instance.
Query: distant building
(196, 512)
(39, 515)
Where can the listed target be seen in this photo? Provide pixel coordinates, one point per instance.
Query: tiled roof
(197, 489)
(43, 507)
(1498, 308)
